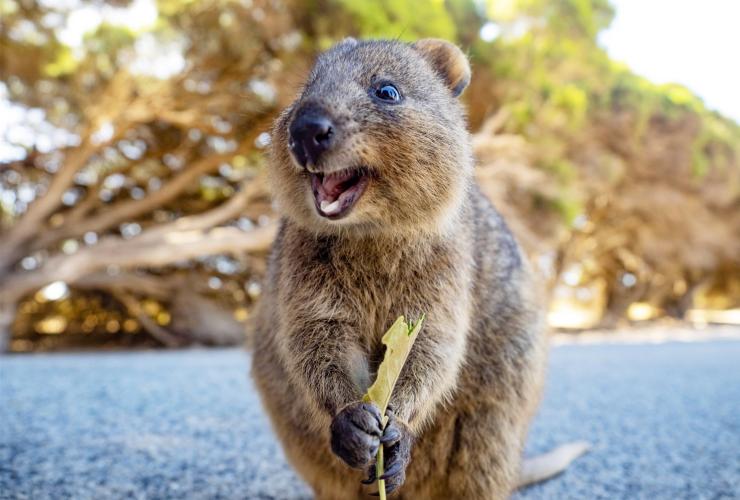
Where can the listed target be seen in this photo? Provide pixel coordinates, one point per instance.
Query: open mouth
(335, 194)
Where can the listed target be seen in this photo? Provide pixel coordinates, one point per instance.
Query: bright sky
(692, 42)
(24, 127)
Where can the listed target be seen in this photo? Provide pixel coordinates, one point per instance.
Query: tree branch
(154, 286)
(134, 308)
(40, 209)
(157, 250)
(130, 209)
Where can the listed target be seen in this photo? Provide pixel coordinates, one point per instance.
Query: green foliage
(567, 18)
(573, 101)
(400, 19)
(63, 63)
(568, 207)
(673, 102)
(406, 20)
(168, 8)
(108, 39)
(558, 84)
(583, 17)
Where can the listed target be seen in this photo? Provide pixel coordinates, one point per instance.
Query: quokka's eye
(388, 92)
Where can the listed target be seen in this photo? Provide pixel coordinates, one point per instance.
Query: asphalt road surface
(663, 420)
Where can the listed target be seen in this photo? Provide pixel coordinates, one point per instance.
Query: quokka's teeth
(330, 208)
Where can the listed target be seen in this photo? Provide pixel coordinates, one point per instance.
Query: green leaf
(398, 341)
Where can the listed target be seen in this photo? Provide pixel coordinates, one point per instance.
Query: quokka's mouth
(336, 193)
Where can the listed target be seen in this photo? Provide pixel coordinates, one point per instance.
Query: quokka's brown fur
(421, 240)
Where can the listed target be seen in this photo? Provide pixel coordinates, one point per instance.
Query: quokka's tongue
(332, 184)
(332, 191)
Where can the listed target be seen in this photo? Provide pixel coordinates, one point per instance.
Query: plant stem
(379, 472)
(379, 464)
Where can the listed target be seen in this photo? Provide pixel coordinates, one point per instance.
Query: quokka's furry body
(420, 239)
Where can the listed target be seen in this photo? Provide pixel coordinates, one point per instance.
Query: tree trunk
(205, 321)
(7, 316)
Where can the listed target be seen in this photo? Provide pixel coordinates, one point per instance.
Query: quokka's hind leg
(472, 454)
(484, 461)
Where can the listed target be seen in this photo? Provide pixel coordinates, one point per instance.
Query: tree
(626, 189)
(132, 165)
(146, 158)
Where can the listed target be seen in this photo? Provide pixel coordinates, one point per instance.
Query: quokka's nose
(311, 134)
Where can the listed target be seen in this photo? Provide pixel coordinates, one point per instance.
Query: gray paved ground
(664, 421)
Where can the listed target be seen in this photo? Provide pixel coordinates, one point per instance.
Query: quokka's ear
(448, 60)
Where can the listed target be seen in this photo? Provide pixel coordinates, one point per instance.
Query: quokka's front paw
(397, 441)
(356, 433)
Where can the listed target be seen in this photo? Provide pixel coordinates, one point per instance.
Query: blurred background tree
(132, 201)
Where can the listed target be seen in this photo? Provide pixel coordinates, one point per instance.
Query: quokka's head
(376, 141)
